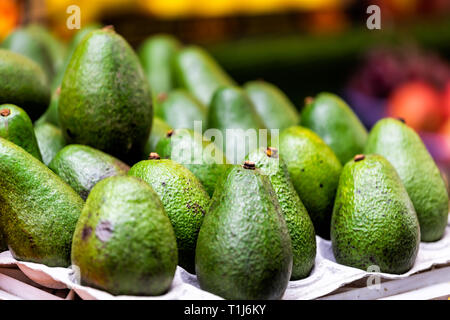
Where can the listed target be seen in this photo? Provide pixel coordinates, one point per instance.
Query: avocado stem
(249, 165)
(154, 156)
(309, 100)
(272, 152)
(5, 112)
(169, 133)
(359, 157)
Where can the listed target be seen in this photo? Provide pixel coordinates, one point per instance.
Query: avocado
(299, 224)
(51, 114)
(201, 156)
(198, 72)
(16, 126)
(333, 120)
(184, 198)
(314, 170)
(39, 211)
(180, 109)
(105, 100)
(374, 222)
(244, 250)
(159, 131)
(404, 149)
(123, 242)
(82, 167)
(156, 55)
(272, 105)
(23, 83)
(50, 140)
(232, 109)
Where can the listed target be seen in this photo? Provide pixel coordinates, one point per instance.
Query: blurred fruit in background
(9, 16)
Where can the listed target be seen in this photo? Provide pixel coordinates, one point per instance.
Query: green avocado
(156, 55)
(82, 167)
(123, 242)
(180, 109)
(50, 140)
(184, 199)
(196, 71)
(23, 83)
(16, 126)
(38, 209)
(51, 115)
(404, 149)
(159, 131)
(105, 100)
(272, 105)
(244, 249)
(314, 170)
(298, 222)
(374, 223)
(199, 155)
(333, 120)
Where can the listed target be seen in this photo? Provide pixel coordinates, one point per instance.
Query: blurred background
(302, 46)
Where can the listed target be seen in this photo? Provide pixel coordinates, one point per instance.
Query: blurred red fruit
(419, 104)
(446, 99)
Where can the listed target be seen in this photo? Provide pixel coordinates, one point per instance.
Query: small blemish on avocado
(86, 233)
(104, 230)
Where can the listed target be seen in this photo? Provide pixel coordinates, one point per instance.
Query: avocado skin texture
(51, 114)
(272, 105)
(244, 250)
(180, 109)
(299, 224)
(184, 200)
(18, 128)
(105, 100)
(82, 167)
(314, 171)
(374, 221)
(196, 71)
(232, 109)
(156, 55)
(123, 242)
(50, 140)
(404, 149)
(23, 83)
(200, 156)
(333, 120)
(38, 209)
(159, 131)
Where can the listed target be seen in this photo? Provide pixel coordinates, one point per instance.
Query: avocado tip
(272, 152)
(401, 120)
(309, 100)
(154, 156)
(108, 28)
(359, 157)
(5, 112)
(169, 133)
(249, 165)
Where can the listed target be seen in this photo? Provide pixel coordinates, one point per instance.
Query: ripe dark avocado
(184, 199)
(200, 156)
(196, 71)
(16, 126)
(333, 120)
(50, 140)
(314, 171)
(82, 167)
(298, 222)
(244, 250)
(404, 149)
(23, 83)
(180, 109)
(272, 105)
(159, 131)
(105, 100)
(123, 242)
(374, 222)
(39, 211)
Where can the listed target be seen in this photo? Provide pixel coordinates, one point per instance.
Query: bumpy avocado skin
(180, 109)
(38, 209)
(156, 55)
(200, 156)
(374, 222)
(50, 140)
(184, 199)
(196, 71)
(272, 105)
(314, 171)
(244, 250)
(23, 83)
(105, 100)
(16, 126)
(333, 120)
(298, 222)
(404, 149)
(159, 131)
(123, 242)
(82, 167)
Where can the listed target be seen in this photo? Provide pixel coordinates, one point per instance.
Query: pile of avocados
(100, 169)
